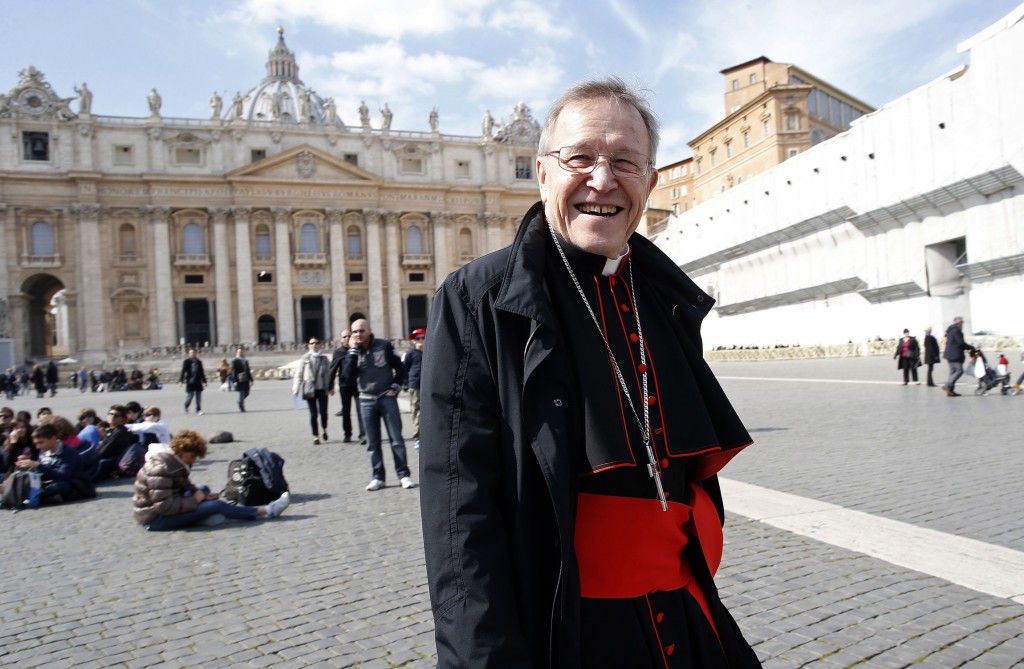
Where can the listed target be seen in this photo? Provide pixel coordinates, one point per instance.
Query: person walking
(954, 355)
(194, 378)
(908, 355)
(413, 361)
(379, 375)
(314, 383)
(52, 377)
(243, 376)
(931, 353)
(346, 390)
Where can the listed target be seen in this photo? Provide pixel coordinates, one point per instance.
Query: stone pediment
(305, 164)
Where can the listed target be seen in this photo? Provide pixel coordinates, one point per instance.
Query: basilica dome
(281, 96)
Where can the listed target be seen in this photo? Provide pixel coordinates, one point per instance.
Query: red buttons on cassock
(659, 430)
(661, 616)
(641, 368)
(664, 463)
(634, 337)
(625, 307)
(652, 400)
(669, 649)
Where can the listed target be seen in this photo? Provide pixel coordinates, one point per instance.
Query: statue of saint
(155, 101)
(84, 99)
(216, 105)
(236, 105)
(275, 107)
(488, 123)
(385, 121)
(330, 111)
(305, 104)
(364, 115)
(433, 120)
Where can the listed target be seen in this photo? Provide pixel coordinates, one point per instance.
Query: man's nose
(602, 177)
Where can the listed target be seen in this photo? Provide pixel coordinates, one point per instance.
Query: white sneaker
(277, 507)
(407, 483)
(375, 484)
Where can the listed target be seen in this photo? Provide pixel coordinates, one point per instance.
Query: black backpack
(256, 479)
(17, 489)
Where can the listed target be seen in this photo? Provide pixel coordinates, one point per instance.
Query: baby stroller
(988, 378)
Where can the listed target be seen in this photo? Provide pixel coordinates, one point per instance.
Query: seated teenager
(117, 440)
(165, 498)
(152, 428)
(87, 430)
(63, 476)
(18, 443)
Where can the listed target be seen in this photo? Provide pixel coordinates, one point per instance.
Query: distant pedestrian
(194, 378)
(413, 361)
(83, 380)
(243, 376)
(931, 353)
(313, 382)
(908, 354)
(52, 377)
(346, 390)
(954, 355)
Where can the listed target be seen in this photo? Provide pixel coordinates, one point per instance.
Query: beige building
(672, 195)
(773, 111)
(269, 222)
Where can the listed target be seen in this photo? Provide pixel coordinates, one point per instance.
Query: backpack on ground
(255, 479)
(21, 490)
(132, 460)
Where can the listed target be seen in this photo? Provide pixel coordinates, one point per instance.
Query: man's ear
(542, 180)
(652, 182)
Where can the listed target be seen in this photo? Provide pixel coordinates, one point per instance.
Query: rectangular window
(682, 191)
(714, 159)
(462, 169)
(735, 84)
(417, 277)
(675, 193)
(256, 155)
(746, 140)
(123, 155)
(792, 122)
(767, 128)
(412, 166)
(524, 167)
(728, 150)
(194, 278)
(753, 78)
(793, 152)
(675, 209)
(36, 145)
(351, 158)
(355, 277)
(262, 245)
(264, 277)
(183, 156)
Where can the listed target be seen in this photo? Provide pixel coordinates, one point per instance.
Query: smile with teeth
(598, 209)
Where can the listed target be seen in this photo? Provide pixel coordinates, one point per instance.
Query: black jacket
(955, 344)
(931, 349)
(498, 499)
(192, 381)
(914, 354)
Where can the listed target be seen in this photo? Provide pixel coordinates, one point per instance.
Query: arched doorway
(41, 316)
(311, 317)
(267, 328)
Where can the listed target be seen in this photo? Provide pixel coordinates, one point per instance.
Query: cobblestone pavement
(338, 581)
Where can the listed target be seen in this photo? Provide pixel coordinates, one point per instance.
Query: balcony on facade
(128, 260)
(28, 261)
(310, 259)
(417, 260)
(192, 260)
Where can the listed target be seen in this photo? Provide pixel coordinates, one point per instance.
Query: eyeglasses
(358, 331)
(314, 343)
(583, 160)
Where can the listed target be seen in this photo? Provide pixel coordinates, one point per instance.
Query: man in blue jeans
(379, 376)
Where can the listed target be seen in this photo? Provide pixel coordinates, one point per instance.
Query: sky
(468, 56)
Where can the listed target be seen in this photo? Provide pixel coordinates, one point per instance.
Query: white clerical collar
(611, 265)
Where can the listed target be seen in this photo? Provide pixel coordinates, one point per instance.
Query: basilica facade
(270, 222)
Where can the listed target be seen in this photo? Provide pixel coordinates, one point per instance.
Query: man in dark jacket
(63, 474)
(194, 378)
(571, 429)
(117, 441)
(243, 376)
(379, 374)
(347, 390)
(52, 377)
(954, 354)
(413, 362)
(931, 353)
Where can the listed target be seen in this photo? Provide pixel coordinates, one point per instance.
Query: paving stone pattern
(339, 580)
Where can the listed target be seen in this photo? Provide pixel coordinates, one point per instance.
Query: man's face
(45, 443)
(417, 342)
(192, 353)
(344, 338)
(360, 333)
(240, 353)
(596, 212)
(115, 418)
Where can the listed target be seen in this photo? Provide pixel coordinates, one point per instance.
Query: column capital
(391, 217)
(281, 214)
(373, 214)
(219, 214)
(440, 217)
(85, 211)
(158, 213)
(334, 214)
(241, 212)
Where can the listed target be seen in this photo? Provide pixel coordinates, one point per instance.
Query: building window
(194, 278)
(36, 145)
(132, 322)
(462, 169)
(183, 156)
(792, 122)
(735, 84)
(465, 242)
(192, 241)
(355, 242)
(262, 241)
(766, 128)
(675, 193)
(700, 168)
(417, 277)
(412, 166)
(728, 150)
(309, 239)
(351, 158)
(753, 78)
(682, 191)
(256, 155)
(675, 209)
(714, 158)
(126, 238)
(355, 277)
(413, 240)
(264, 277)
(42, 239)
(793, 152)
(123, 155)
(524, 167)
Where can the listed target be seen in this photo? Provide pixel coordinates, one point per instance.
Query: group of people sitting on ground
(71, 459)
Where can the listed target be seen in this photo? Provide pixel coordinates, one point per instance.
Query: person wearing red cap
(413, 360)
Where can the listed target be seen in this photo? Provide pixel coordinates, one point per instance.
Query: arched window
(465, 242)
(413, 240)
(132, 322)
(309, 239)
(192, 239)
(126, 239)
(262, 241)
(355, 242)
(42, 239)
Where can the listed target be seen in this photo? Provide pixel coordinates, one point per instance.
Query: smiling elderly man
(571, 431)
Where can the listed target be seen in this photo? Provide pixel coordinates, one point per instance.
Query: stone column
(243, 278)
(494, 238)
(283, 263)
(211, 310)
(297, 324)
(179, 306)
(442, 258)
(393, 254)
(91, 317)
(162, 319)
(9, 248)
(339, 276)
(328, 332)
(222, 277)
(375, 313)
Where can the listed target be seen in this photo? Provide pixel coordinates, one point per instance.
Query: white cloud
(528, 16)
(535, 81)
(630, 19)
